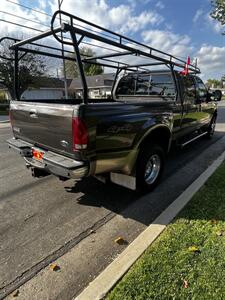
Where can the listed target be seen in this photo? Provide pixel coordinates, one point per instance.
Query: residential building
(99, 86)
(45, 88)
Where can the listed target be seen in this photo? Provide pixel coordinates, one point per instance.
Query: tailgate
(47, 125)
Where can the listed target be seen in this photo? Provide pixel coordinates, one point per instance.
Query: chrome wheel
(152, 169)
(212, 127)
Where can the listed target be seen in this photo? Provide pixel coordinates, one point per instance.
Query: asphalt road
(44, 219)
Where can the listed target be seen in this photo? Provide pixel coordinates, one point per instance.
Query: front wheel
(150, 165)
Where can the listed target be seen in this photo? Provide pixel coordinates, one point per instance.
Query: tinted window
(161, 84)
(202, 90)
(126, 85)
(189, 88)
(147, 85)
(142, 85)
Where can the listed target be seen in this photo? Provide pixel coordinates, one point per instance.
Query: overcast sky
(181, 27)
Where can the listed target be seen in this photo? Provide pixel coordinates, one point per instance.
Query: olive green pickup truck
(125, 139)
(157, 99)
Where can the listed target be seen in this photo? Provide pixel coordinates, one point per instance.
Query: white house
(99, 86)
(43, 93)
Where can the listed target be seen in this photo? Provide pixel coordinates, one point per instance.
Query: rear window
(146, 85)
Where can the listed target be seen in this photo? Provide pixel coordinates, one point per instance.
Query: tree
(31, 67)
(223, 80)
(218, 12)
(214, 83)
(89, 69)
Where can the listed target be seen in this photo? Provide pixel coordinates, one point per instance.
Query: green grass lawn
(188, 260)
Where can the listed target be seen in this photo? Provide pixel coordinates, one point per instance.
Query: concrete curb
(5, 125)
(100, 286)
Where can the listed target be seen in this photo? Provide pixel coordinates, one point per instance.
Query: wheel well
(160, 136)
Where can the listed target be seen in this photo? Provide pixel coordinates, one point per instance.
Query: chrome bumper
(51, 162)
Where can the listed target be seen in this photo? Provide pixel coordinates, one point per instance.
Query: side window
(201, 90)
(189, 88)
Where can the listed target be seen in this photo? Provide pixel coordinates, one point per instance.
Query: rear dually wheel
(150, 165)
(211, 127)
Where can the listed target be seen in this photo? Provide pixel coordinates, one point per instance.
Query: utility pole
(64, 65)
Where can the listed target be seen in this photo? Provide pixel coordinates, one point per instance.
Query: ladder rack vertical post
(16, 75)
(64, 64)
(80, 66)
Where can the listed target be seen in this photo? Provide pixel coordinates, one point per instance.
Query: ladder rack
(117, 51)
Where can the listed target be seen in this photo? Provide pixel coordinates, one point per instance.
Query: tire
(150, 165)
(211, 128)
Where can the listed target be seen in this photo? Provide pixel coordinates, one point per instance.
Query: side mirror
(217, 94)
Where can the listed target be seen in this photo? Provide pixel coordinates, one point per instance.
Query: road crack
(31, 272)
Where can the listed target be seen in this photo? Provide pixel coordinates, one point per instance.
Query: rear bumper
(51, 162)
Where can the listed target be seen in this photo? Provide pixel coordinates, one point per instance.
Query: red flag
(186, 70)
(188, 60)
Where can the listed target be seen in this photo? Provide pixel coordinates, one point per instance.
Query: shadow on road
(95, 193)
(146, 207)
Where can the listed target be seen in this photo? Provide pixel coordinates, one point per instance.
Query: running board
(193, 139)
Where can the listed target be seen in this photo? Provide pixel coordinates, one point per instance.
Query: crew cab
(125, 138)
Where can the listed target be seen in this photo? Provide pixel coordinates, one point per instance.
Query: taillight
(80, 134)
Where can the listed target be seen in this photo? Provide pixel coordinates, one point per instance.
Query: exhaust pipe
(61, 178)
